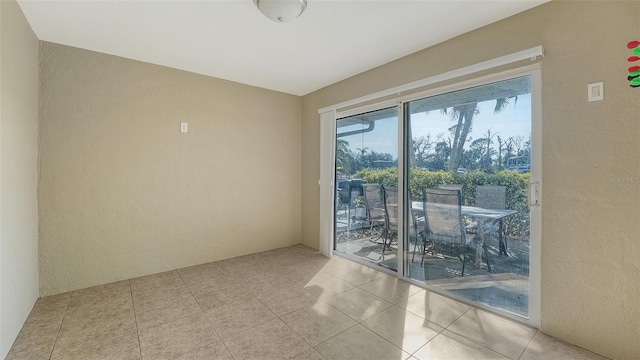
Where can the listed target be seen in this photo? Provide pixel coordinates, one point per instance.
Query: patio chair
(348, 190)
(459, 187)
(494, 197)
(417, 230)
(444, 225)
(390, 215)
(374, 202)
(343, 197)
(417, 224)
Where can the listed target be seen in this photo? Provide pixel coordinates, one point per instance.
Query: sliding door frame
(535, 237)
(412, 91)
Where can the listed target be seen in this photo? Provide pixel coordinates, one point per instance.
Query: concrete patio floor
(506, 287)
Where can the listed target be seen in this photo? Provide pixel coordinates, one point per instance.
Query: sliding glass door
(468, 165)
(462, 159)
(366, 171)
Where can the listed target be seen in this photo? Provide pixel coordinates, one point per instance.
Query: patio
(505, 287)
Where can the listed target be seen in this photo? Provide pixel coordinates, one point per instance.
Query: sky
(514, 120)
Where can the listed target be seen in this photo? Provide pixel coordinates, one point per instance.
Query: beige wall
(18, 172)
(122, 193)
(590, 245)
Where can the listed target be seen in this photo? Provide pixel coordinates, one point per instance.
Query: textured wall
(122, 193)
(18, 172)
(591, 159)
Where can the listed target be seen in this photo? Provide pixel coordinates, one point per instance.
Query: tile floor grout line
(281, 320)
(356, 321)
(287, 325)
(528, 344)
(295, 332)
(458, 318)
(477, 343)
(66, 308)
(135, 319)
(204, 314)
(430, 340)
(496, 351)
(193, 350)
(392, 305)
(396, 304)
(252, 327)
(443, 328)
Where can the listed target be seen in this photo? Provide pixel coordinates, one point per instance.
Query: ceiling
(232, 40)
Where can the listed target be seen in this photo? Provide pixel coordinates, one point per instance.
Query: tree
(440, 159)
(344, 156)
(488, 160)
(518, 143)
(506, 146)
(527, 147)
(421, 147)
(475, 158)
(463, 114)
(509, 148)
(360, 158)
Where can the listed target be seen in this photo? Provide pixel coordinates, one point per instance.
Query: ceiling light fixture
(281, 10)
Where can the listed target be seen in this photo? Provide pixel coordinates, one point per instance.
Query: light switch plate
(596, 91)
(183, 127)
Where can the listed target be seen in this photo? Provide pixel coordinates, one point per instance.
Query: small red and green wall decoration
(634, 70)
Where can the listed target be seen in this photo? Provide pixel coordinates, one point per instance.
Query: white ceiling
(231, 39)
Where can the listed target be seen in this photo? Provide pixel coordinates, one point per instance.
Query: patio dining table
(488, 221)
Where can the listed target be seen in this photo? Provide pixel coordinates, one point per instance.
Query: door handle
(534, 194)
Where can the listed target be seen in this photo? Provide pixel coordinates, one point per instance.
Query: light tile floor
(290, 303)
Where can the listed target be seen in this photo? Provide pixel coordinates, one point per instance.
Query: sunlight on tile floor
(290, 303)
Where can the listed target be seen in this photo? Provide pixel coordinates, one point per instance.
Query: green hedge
(517, 225)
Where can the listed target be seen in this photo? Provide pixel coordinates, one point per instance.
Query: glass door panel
(468, 163)
(366, 170)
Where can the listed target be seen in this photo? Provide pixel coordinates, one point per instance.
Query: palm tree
(464, 115)
(344, 157)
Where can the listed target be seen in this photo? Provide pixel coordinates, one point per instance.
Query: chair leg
(415, 246)
(503, 233)
(384, 245)
(424, 250)
(503, 240)
(375, 241)
(486, 254)
(464, 261)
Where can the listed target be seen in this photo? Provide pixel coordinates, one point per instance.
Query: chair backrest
(458, 187)
(443, 215)
(491, 197)
(451, 187)
(374, 202)
(344, 191)
(349, 189)
(391, 207)
(416, 223)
